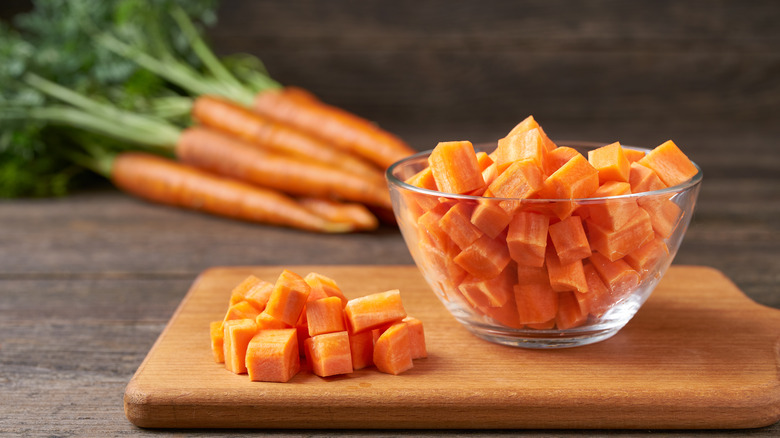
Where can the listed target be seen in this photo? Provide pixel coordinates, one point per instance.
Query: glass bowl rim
(685, 185)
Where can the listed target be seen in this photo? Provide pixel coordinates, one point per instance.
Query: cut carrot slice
(598, 298)
(273, 356)
(456, 222)
(236, 336)
(393, 350)
(520, 147)
(258, 295)
(575, 179)
(485, 258)
(633, 155)
(664, 214)
(612, 214)
(669, 163)
(439, 265)
(490, 218)
(522, 179)
(423, 179)
(569, 240)
(265, 321)
(532, 275)
(329, 354)
(570, 314)
(557, 158)
(646, 258)
(617, 275)
(361, 347)
(239, 292)
(483, 160)
(429, 223)
(288, 298)
(241, 310)
(536, 303)
(525, 125)
(494, 292)
(217, 341)
(527, 238)
(372, 311)
(416, 337)
(643, 179)
(611, 163)
(455, 167)
(565, 276)
(325, 315)
(616, 244)
(323, 287)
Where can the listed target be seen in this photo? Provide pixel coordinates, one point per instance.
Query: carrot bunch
(546, 240)
(269, 327)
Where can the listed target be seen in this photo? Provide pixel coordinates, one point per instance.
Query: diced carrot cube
(633, 155)
(456, 222)
(570, 314)
(615, 244)
(490, 218)
(525, 125)
(527, 238)
(612, 214)
(236, 336)
(643, 179)
(361, 347)
(504, 315)
(329, 354)
(441, 267)
(669, 163)
(494, 292)
(423, 179)
(522, 179)
(273, 356)
(532, 275)
(455, 167)
(565, 276)
(617, 275)
(241, 310)
(489, 174)
(325, 315)
(485, 258)
(429, 223)
(646, 258)
(288, 298)
(575, 179)
(598, 298)
(542, 325)
(375, 310)
(239, 292)
(557, 158)
(520, 147)
(569, 240)
(217, 341)
(483, 160)
(393, 350)
(416, 337)
(536, 303)
(611, 163)
(258, 295)
(323, 287)
(265, 321)
(664, 214)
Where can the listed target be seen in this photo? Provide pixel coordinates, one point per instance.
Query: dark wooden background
(88, 282)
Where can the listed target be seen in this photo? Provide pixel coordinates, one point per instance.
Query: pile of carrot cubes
(544, 265)
(268, 327)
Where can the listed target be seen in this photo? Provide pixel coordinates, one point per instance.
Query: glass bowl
(487, 282)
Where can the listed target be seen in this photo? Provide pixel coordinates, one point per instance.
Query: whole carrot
(232, 118)
(165, 181)
(222, 154)
(352, 213)
(302, 110)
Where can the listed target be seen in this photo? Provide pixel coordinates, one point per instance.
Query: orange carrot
(393, 350)
(611, 163)
(536, 303)
(334, 125)
(217, 340)
(167, 182)
(237, 334)
(329, 354)
(265, 321)
(528, 124)
(456, 222)
(527, 238)
(557, 158)
(518, 147)
(375, 310)
(664, 214)
(569, 240)
(669, 163)
(565, 276)
(633, 155)
(353, 214)
(617, 275)
(272, 356)
(490, 218)
(241, 310)
(323, 287)
(234, 119)
(643, 179)
(615, 244)
(219, 153)
(570, 314)
(416, 337)
(325, 316)
(521, 179)
(288, 298)
(485, 258)
(598, 298)
(455, 167)
(577, 178)
(612, 214)
(494, 292)
(361, 347)
(258, 295)
(645, 259)
(239, 292)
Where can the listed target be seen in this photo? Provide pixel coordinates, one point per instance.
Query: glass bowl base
(542, 339)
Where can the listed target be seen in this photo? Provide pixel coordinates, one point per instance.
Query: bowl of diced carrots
(534, 244)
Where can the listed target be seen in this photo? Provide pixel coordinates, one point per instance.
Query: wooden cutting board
(699, 354)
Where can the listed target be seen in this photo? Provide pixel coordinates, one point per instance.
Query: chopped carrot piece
(485, 258)
(393, 350)
(532, 275)
(522, 179)
(615, 244)
(527, 238)
(456, 222)
(273, 356)
(236, 336)
(265, 321)
(612, 214)
(323, 287)
(575, 179)
(239, 292)
(483, 160)
(440, 265)
(241, 310)
(570, 314)
(536, 303)
(598, 298)
(258, 295)
(557, 158)
(217, 341)
(325, 315)
(565, 276)
(646, 258)
(429, 223)
(494, 292)
(423, 179)
(329, 354)
(372, 311)
(542, 325)
(525, 125)
(611, 162)
(504, 315)
(361, 347)
(669, 163)
(416, 337)
(617, 275)
(633, 155)
(520, 147)
(664, 214)
(490, 218)
(455, 167)
(643, 179)
(288, 298)
(569, 240)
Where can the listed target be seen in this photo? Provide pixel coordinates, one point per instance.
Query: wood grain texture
(699, 354)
